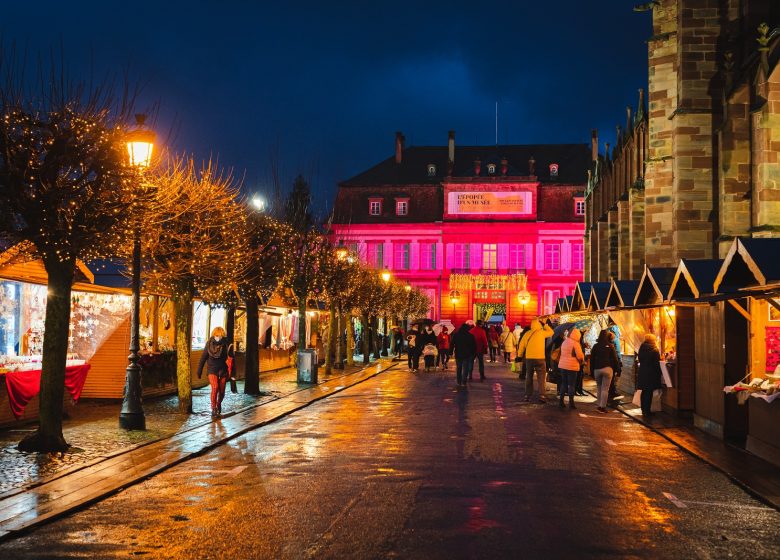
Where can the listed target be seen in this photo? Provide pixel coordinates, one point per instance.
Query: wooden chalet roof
(562, 305)
(749, 263)
(693, 279)
(581, 297)
(622, 293)
(654, 285)
(598, 295)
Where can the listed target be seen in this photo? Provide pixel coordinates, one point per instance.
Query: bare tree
(266, 262)
(197, 245)
(67, 193)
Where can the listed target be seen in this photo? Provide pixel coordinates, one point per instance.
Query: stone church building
(697, 166)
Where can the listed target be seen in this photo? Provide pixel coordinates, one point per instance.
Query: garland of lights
(517, 282)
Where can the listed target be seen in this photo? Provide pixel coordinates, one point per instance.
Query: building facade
(699, 165)
(482, 230)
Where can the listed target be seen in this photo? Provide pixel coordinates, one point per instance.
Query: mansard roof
(573, 163)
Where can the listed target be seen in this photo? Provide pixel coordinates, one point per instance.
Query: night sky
(325, 85)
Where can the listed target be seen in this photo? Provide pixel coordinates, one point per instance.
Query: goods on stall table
(767, 389)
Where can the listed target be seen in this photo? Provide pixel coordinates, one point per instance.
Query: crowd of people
(534, 356)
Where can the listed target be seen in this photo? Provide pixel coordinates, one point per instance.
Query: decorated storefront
(98, 315)
(491, 296)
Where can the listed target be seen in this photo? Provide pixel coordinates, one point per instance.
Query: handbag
(554, 376)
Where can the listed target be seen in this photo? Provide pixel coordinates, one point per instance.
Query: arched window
(491, 168)
(431, 170)
(553, 170)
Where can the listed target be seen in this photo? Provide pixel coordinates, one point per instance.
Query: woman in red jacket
(443, 343)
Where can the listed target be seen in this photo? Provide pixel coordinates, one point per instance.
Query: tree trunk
(48, 437)
(252, 356)
(339, 346)
(302, 342)
(350, 341)
(332, 340)
(182, 305)
(366, 342)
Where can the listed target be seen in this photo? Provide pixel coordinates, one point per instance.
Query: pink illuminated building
(480, 229)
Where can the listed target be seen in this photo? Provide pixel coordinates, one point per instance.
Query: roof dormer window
(553, 170)
(491, 168)
(431, 170)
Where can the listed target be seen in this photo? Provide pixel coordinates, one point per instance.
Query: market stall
(750, 275)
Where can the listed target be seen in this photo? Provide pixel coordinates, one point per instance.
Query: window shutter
(475, 256)
(529, 256)
(439, 255)
(450, 256)
(388, 256)
(503, 255)
(565, 256)
(414, 255)
(540, 256)
(361, 251)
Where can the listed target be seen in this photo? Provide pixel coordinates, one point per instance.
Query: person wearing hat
(649, 372)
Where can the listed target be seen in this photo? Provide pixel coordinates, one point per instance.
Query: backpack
(555, 355)
(411, 338)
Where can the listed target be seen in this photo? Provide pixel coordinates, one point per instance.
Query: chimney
(450, 151)
(594, 144)
(504, 166)
(532, 166)
(399, 147)
(477, 166)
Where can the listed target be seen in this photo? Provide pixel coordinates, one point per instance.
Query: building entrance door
(494, 313)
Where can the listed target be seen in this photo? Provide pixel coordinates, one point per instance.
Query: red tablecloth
(22, 386)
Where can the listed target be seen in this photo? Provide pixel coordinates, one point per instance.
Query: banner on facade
(489, 203)
(498, 296)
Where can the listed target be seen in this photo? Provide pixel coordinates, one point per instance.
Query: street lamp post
(140, 143)
(408, 288)
(454, 298)
(523, 297)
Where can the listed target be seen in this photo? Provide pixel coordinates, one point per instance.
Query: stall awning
(16, 263)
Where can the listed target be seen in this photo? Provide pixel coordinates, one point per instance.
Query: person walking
(427, 342)
(215, 356)
(604, 364)
(649, 372)
(412, 349)
(532, 351)
(507, 342)
(493, 343)
(569, 364)
(398, 342)
(443, 343)
(480, 337)
(464, 348)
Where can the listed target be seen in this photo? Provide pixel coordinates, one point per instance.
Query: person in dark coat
(215, 354)
(464, 348)
(428, 338)
(413, 349)
(480, 337)
(604, 364)
(649, 373)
